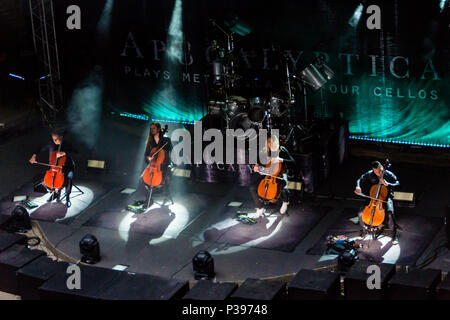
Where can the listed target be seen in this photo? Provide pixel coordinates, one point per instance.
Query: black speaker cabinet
(11, 260)
(355, 281)
(417, 284)
(93, 282)
(135, 286)
(255, 289)
(9, 239)
(208, 290)
(34, 274)
(314, 285)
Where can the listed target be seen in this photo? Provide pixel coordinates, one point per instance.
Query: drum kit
(245, 101)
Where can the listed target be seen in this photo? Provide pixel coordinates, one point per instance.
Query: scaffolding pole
(46, 49)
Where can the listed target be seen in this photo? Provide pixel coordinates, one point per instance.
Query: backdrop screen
(155, 58)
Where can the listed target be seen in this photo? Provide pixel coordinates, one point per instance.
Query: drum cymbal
(238, 99)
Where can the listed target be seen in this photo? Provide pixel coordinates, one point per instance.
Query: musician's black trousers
(284, 196)
(389, 220)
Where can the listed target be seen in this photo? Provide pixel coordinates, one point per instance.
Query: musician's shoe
(68, 203)
(395, 238)
(284, 207)
(255, 215)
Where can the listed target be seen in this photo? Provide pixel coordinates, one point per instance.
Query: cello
(54, 177)
(269, 188)
(373, 215)
(153, 175)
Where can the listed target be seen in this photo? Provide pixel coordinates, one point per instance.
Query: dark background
(418, 32)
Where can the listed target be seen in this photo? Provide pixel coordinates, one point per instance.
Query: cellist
(156, 139)
(372, 177)
(68, 169)
(277, 155)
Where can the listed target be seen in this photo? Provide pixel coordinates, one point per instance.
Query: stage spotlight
(175, 37)
(442, 5)
(203, 264)
(20, 220)
(354, 20)
(89, 249)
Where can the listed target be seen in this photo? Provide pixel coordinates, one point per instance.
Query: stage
(163, 240)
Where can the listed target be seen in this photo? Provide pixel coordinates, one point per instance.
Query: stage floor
(163, 240)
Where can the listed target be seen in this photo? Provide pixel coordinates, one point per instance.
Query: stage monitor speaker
(416, 284)
(255, 289)
(405, 199)
(443, 289)
(314, 285)
(34, 274)
(96, 164)
(208, 290)
(11, 260)
(185, 173)
(355, 281)
(135, 286)
(93, 282)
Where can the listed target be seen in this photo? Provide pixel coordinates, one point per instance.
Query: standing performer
(278, 157)
(61, 149)
(373, 177)
(156, 141)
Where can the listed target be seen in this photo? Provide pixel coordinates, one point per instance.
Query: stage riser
(107, 284)
(93, 280)
(208, 290)
(33, 275)
(255, 289)
(355, 281)
(415, 285)
(314, 285)
(11, 260)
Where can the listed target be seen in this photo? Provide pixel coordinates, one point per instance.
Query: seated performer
(372, 177)
(281, 155)
(156, 139)
(68, 168)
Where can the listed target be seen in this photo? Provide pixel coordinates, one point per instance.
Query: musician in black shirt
(372, 177)
(156, 139)
(69, 166)
(281, 155)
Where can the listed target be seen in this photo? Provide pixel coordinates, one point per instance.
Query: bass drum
(248, 127)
